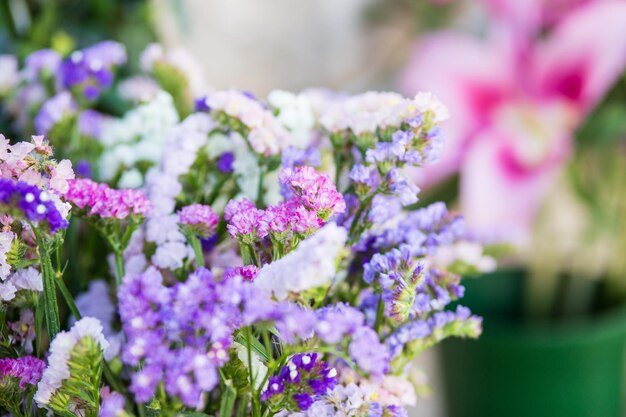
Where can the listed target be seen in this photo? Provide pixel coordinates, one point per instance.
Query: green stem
(259, 195)
(197, 249)
(51, 307)
(110, 378)
(39, 326)
(119, 266)
(67, 296)
(255, 408)
(215, 192)
(338, 166)
(380, 311)
(357, 216)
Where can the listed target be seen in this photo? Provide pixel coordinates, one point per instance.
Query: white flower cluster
(468, 253)
(96, 303)
(6, 241)
(163, 186)
(295, 114)
(312, 264)
(60, 351)
(363, 113)
(428, 102)
(349, 400)
(22, 279)
(9, 74)
(139, 136)
(266, 136)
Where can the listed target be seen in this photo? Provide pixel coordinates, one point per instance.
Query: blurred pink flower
(530, 16)
(514, 108)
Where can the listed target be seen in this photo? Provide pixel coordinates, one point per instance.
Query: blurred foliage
(606, 125)
(428, 14)
(65, 25)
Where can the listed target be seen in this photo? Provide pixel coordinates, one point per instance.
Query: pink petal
(584, 55)
(468, 75)
(499, 199)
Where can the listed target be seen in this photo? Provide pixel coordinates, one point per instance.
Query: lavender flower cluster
(263, 257)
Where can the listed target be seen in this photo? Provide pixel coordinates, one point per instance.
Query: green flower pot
(570, 369)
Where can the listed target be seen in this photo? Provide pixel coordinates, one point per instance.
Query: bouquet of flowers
(242, 280)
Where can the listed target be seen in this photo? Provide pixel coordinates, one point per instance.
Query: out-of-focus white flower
(467, 253)
(295, 113)
(312, 264)
(96, 302)
(27, 279)
(9, 74)
(139, 136)
(60, 351)
(6, 241)
(428, 102)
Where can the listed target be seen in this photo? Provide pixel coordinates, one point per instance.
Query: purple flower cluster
(181, 334)
(303, 380)
(435, 291)
(106, 202)
(34, 204)
(199, 218)
(54, 110)
(25, 369)
(292, 157)
(395, 275)
(91, 69)
(112, 403)
(333, 325)
(41, 64)
(225, 162)
(441, 324)
(391, 410)
(422, 230)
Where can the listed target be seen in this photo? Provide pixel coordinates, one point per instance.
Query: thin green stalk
(119, 266)
(215, 192)
(197, 249)
(358, 215)
(380, 310)
(51, 307)
(67, 296)
(39, 326)
(110, 378)
(255, 406)
(259, 196)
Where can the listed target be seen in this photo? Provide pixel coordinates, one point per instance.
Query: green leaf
(242, 405)
(228, 399)
(51, 307)
(255, 344)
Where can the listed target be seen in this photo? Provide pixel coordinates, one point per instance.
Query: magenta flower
(515, 106)
(105, 202)
(200, 218)
(314, 190)
(26, 369)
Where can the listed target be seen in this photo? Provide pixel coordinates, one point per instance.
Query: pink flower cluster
(27, 369)
(266, 135)
(247, 272)
(315, 199)
(200, 217)
(247, 220)
(314, 190)
(24, 161)
(107, 202)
